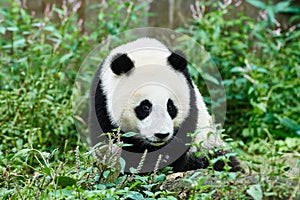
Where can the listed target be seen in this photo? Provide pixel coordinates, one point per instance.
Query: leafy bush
(39, 60)
(259, 64)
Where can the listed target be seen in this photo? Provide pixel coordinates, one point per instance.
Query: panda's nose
(161, 135)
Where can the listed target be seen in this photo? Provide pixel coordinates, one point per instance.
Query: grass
(43, 157)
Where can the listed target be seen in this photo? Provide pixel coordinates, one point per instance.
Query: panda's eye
(172, 110)
(145, 108)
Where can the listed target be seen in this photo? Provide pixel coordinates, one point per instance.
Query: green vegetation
(42, 156)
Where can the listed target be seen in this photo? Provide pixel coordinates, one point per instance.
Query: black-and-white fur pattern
(145, 88)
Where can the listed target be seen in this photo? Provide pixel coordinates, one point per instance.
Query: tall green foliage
(259, 63)
(39, 62)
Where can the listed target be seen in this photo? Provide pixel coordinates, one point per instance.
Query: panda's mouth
(157, 142)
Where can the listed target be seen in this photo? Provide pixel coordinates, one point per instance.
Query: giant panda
(144, 87)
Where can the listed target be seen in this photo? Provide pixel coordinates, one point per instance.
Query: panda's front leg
(230, 160)
(191, 161)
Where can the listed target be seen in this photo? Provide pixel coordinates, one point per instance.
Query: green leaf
(64, 181)
(59, 11)
(126, 145)
(62, 192)
(292, 9)
(106, 174)
(171, 198)
(193, 71)
(100, 187)
(19, 43)
(129, 134)
(22, 152)
(5, 192)
(262, 70)
(289, 123)
(281, 6)
(123, 164)
(148, 193)
(160, 178)
(255, 192)
(237, 69)
(210, 78)
(2, 30)
(38, 24)
(65, 57)
(271, 14)
(134, 195)
(46, 170)
(132, 170)
(12, 29)
(260, 107)
(257, 4)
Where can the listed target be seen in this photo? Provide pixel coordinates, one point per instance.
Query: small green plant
(259, 70)
(271, 9)
(259, 62)
(39, 63)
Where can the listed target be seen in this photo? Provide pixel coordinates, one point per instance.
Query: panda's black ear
(177, 60)
(121, 63)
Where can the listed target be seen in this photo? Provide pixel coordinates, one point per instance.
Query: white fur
(152, 78)
(159, 121)
(206, 131)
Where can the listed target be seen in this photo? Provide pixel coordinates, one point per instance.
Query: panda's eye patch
(143, 110)
(146, 108)
(172, 110)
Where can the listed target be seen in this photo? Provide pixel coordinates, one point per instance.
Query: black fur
(177, 61)
(101, 110)
(189, 161)
(172, 110)
(121, 64)
(161, 135)
(139, 145)
(233, 162)
(143, 110)
(188, 77)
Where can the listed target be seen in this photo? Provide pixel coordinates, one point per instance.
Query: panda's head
(147, 91)
(152, 112)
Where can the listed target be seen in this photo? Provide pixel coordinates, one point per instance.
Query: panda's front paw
(232, 161)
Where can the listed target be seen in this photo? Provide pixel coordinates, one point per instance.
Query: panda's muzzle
(161, 135)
